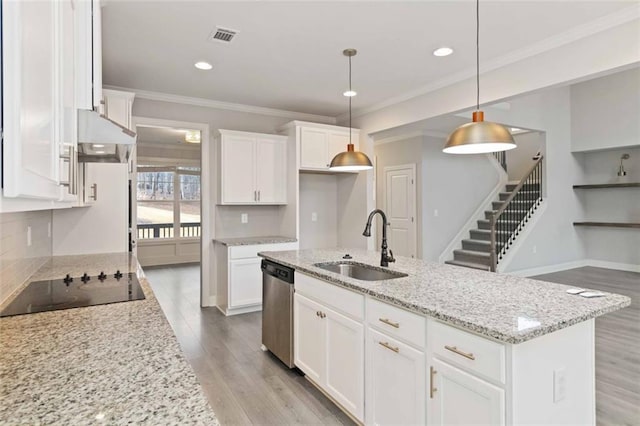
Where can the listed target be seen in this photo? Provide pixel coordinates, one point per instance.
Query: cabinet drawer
(345, 301)
(468, 351)
(243, 252)
(397, 322)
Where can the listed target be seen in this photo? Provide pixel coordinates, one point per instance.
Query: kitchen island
(443, 344)
(111, 364)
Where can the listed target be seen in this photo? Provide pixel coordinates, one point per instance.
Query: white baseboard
(629, 267)
(213, 301)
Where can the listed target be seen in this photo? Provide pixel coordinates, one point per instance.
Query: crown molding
(228, 106)
(601, 24)
(409, 135)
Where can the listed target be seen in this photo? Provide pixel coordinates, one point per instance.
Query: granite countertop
(110, 364)
(507, 308)
(249, 241)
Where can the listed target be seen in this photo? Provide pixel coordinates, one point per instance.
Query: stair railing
(505, 223)
(501, 156)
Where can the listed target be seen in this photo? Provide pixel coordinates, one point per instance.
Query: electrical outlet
(535, 249)
(28, 236)
(314, 217)
(435, 213)
(559, 384)
(244, 218)
(49, 229)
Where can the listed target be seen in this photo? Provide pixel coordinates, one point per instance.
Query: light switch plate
(559, 384)
(28, 236)
(244, 218)
(314, 217)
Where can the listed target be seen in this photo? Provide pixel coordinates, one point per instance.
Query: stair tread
(487, 221)
(471, 253)
(480, 242)
(468, 264)
(488, 231)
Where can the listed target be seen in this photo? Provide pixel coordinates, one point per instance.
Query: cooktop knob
(67, 280)
(102, 276)
(117, 275)
(85, 278)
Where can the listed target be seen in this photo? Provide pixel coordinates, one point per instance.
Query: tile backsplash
(18, 259)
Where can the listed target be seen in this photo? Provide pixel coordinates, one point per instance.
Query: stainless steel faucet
(386, 257)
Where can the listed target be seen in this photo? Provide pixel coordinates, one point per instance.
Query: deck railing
(147, 231)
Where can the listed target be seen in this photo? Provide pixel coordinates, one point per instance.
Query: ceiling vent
(223, 35)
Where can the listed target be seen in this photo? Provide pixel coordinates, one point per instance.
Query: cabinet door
(245, 282)
(460, 398)
(31, 152)
(314, 148)
(396, 382)
(345, 361)
(338, 143)
(96, 57)
(309, 338)
(117, 107)
(271, 171)
(238, 171)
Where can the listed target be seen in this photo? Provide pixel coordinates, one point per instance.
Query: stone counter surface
(249, 241)
(110, 364)
(503, 307)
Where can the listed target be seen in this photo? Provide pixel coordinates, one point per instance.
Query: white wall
(455, 186)
(605, 112)
(520, 160)
(319, 195)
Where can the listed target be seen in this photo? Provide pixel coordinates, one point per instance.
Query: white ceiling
(287, 55)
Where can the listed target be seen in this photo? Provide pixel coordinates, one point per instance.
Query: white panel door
(396, 382)
(271, 169)
(337, 143)
(460, 398)
(245, 282)
(238, 170)
(345, 361)
(30, 85)
(309, 338)
(400, 206)
(314, 148)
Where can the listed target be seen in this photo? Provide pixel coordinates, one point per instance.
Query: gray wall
(605, 111)
(611, 205)
(408, 151)
(454, 185)
(263, 221)
(519, 160)
(318, 194)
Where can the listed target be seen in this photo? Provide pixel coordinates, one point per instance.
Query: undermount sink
(359, 271)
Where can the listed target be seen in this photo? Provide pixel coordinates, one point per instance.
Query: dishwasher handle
(283, 273)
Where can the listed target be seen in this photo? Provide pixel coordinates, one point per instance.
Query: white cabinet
(252, 168)
(239, 277)
(329, 341)
(319, 143)
(89, 54)
(396, 381)
(117, 106)
(459, 398)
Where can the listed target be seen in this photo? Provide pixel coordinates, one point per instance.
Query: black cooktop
(75, 292)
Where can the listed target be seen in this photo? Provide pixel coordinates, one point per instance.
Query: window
(168, 202)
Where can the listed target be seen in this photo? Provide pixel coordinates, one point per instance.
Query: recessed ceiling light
(98, 145)
(443, 51)
(203, 65)
(100, 152)
(350, 93)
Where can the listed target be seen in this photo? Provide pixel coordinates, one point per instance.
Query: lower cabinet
(329, 349)
(459, 398)
(245, 278)
(396, 381)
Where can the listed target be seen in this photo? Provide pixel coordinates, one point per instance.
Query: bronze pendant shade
(350, 160)
(479, 136)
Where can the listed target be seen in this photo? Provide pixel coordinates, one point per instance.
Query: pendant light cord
(350, 100)
(477, 55)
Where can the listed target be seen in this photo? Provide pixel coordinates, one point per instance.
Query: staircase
(496, 233)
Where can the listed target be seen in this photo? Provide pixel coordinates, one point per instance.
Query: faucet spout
(386, 257)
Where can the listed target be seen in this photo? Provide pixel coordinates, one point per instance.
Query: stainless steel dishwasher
(277, 310)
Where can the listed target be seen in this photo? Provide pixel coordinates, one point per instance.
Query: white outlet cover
(28, 236)
(435, 213)
(244, 218)
(559, 384)
(314, 217)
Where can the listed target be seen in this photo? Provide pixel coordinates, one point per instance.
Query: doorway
(170, 197)
(400, 206)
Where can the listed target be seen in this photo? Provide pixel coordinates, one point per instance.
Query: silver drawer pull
(388, 346)
(455, 350)
(389, 322)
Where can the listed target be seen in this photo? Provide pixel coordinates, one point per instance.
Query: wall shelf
(608, 185)
(609, 224)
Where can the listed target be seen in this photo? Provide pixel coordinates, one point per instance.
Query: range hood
(101, 140)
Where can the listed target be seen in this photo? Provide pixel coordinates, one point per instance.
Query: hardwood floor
(617, 344)
(244, 385)
(247, 386)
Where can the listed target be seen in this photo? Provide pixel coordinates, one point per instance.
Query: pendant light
(479, 136)
(350, 160)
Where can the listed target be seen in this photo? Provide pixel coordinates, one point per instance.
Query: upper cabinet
(117, 106)
(319, 143)
(88, 25)
(252, 168)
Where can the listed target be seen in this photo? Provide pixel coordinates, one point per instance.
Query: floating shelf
(609, 185)
(608, 224)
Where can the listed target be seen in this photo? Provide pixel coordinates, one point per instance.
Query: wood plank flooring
(617, 344)
(247, 386)
(243, 384)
